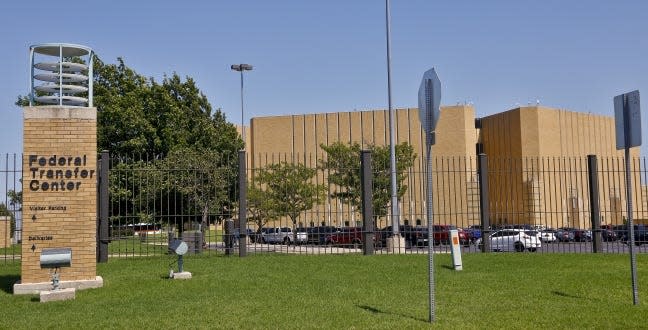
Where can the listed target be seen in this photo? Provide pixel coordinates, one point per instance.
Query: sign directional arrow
(33, 248)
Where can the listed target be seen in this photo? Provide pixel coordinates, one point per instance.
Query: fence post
(366, 177)
(229, 237)
(484, 212)
(242, 204)
(103, 200)
(595, 209)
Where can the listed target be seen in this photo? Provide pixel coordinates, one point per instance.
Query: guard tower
(59, 169)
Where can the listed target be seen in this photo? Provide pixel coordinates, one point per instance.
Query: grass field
(503, 291)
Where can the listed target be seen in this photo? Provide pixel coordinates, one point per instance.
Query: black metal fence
(553, 204)
(10, 208)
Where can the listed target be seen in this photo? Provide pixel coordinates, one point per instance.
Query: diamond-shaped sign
(429, 100)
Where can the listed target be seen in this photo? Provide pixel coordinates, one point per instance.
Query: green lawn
(514, 291)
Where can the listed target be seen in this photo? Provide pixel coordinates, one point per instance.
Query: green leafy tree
(200, 179)
(5, 212)
(15, 201)
(343, 164)
(260, 207)
(161, 128)
(138, 116)
(289, 190)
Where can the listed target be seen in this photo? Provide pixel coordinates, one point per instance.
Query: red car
(442, 235)
(349, 236)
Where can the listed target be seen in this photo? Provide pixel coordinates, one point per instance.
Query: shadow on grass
(7, 282)
(563, 294)
(378, 311)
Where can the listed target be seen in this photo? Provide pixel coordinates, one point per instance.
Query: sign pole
(628, 182)
(428, 174)
(429, 100)
(627, 117)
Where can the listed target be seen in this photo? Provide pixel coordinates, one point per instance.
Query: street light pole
(240, 68)
(395, 212)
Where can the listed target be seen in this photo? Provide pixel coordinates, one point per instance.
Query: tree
(155, 128)
(138, 116)
(343, 163)
(5, 212)
(15, 201)
(260, 207)
(289, 190)
(200, 179)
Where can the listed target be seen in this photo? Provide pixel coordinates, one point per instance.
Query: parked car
(407, 231)
(317, 235)
(582, 235)
(346, 236)
(285, 235)
(235, 235)
(608, 234)
(563, 235)
(578, 235)
(514, 240)
(257, 236)
(441, 235)
(548, 236)
(640, 235)
(473, 232)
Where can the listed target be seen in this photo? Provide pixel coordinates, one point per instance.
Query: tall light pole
(395, 212)
(240, 68)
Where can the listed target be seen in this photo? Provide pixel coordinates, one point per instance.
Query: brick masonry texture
(59, 190)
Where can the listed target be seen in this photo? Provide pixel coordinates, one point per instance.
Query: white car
(514, 240)
(548, 236)
(284, 235)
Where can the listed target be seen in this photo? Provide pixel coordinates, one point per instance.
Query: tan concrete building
(298, 138)
(538, 170)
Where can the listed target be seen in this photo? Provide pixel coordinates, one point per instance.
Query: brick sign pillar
(59, 194)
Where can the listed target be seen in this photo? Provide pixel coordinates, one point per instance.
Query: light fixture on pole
(240, 68)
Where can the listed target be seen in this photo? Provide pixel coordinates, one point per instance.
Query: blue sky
(328, 56)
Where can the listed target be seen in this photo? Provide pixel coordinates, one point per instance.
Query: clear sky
(329, 56)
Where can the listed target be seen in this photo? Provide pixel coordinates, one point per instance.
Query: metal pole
(242, 205)
(484, 211)
(430, 222)
(595, 208)
(395, 212)
(90, 79)
(103, 230)
(631, 240)
(31, 78)
(60, 75)
(628, 182)
(242, 113)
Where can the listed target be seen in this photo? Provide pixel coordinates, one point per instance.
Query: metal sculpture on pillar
(66, 81)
